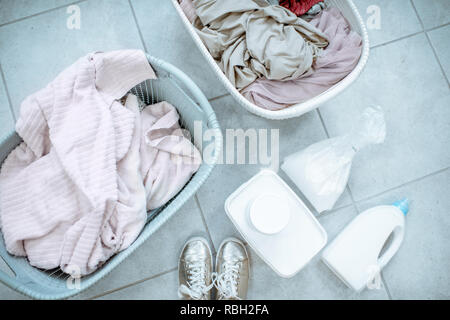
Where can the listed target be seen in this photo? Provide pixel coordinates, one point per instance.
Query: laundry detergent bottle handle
(359, 252)
(397, 234)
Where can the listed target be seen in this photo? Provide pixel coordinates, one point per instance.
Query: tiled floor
(407, 75)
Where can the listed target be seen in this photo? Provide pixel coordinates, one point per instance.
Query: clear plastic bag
(321, 171)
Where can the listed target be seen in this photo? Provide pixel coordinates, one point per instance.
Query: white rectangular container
(288, 251)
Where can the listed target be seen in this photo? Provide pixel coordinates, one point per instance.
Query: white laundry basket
(348, 9)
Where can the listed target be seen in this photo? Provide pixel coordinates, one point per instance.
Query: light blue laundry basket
(175, 87)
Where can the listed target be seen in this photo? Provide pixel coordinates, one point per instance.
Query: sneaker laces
(197, 287)
(226, 283)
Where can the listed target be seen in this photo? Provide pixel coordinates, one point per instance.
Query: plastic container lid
(270, 213)
(275, 223)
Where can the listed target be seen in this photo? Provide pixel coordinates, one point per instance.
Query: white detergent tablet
(269, 213)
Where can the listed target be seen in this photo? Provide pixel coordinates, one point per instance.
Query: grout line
(218, 97)
(417, 14)
(132, 284)
(7, 94)
(323, 123)
(430, 43)
(137, 26)
(385, 285)
(438, 27)
(402, 185)
(334, 210)
(42, 12)
(437, 58)
(205, 224)
(352, 198)
(398, 39)
(408, 36)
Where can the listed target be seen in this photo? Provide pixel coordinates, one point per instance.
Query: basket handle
(190, 85)
(10, 280)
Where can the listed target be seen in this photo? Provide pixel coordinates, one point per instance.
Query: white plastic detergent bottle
(362, 249)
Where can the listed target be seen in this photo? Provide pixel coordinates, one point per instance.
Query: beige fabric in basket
(252, 39)
(334, 64)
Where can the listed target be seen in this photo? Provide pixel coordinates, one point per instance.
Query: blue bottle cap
(403, 205)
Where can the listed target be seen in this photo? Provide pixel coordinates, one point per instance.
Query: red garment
(299, 7)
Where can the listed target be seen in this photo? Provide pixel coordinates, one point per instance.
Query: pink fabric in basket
(73, 193)
(168, 158)
(189, 9)
(59, 189)
(335, 63)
